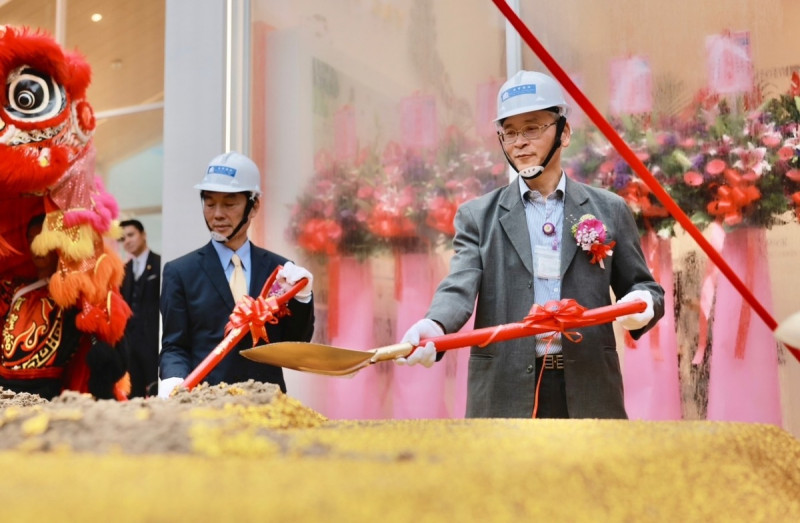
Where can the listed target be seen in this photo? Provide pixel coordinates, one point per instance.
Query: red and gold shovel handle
(551, 317)
(552, 322)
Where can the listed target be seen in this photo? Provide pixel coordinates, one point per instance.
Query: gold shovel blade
(310, 357)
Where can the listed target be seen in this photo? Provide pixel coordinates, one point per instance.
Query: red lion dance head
(47, 166)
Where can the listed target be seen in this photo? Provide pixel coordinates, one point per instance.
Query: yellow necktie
(238, 283)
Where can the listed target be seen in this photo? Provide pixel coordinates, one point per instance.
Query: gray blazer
(493, 265)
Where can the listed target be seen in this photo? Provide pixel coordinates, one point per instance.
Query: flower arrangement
(730, 159)
(397, 212)
(331, 216)
(464, 170)
(731, 164)
(590, 235)
(599, 164)
(785, 112)
(401, 199)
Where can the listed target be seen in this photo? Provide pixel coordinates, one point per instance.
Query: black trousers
(552, 402)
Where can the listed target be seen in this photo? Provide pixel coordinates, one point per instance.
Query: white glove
(640, 319)
(291, 274)
(788, 331)
(166, 386)
(424, 328)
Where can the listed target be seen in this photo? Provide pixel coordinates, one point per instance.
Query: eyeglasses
(532, 132)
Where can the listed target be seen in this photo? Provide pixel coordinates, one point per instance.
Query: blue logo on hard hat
(221, 169)
(519, 90)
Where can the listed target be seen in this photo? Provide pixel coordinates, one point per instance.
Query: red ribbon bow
(256, 313)
(600, 251)
(796, 201)
(554, 314)
(637, 194)
(732, 198)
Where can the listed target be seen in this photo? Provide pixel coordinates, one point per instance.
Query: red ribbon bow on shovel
(558, 314)
(255, 313)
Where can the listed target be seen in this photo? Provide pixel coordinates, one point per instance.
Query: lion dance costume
(46, 167)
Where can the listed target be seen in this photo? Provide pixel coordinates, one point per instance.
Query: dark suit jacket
(196, 302)
(493, 264)
(141, 332)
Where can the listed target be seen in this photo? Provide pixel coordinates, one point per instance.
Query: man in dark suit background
(140, 289)
(197, 296)
(518, 245)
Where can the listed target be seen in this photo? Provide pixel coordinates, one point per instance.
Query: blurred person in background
(141, 288)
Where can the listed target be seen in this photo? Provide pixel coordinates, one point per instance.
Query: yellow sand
(429, 470)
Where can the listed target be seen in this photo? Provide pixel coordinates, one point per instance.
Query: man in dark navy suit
(197, 296)
(140, 288)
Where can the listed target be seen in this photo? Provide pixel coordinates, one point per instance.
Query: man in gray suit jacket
(519, 245)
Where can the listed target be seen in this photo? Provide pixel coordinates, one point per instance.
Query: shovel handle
(236, 334)
(510, 331)
(392, 352)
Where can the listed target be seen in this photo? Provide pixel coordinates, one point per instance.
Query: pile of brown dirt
(182, 424)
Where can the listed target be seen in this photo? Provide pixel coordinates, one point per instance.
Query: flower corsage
(590, 234)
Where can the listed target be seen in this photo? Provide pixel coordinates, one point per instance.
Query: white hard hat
(529, 91)
(231, 172)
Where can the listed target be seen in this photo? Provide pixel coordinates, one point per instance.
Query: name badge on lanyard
(548, 262)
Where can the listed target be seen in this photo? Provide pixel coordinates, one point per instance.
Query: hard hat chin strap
(534, 172)
(217, 237)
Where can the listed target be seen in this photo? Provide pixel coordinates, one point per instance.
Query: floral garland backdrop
(732, 159)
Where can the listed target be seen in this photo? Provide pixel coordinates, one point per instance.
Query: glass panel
(361, 116)
(706, 94)
(377, 123)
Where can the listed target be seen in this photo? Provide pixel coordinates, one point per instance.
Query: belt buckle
(554, 361)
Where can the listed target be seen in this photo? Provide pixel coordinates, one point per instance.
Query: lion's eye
(33, 95)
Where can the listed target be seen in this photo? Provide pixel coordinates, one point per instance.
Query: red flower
(320, 236)
(715, 167)
(786, 153)
(796, 201)
(693, 178)
(388, 223)
(441, 213)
